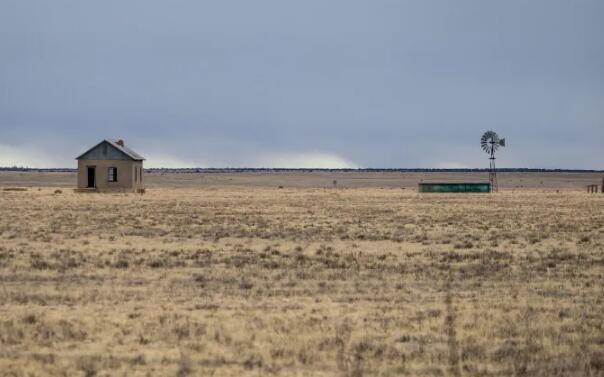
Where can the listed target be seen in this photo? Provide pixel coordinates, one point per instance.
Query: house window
(112, 174)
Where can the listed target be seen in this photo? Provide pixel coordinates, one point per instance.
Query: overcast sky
(312, 83)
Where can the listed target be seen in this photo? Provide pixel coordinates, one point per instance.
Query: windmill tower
(490, 142)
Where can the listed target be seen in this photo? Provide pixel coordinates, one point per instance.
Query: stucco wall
(125, 174)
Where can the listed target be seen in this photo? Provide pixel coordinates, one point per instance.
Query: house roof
(125, 149)
(119, 146)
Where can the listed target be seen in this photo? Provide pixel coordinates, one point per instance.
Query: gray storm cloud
(333, 83)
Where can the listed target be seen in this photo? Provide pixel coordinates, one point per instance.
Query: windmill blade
(489, 141)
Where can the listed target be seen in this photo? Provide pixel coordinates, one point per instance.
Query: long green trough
(455, 187)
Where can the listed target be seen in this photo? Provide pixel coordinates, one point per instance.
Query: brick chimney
(120, 142)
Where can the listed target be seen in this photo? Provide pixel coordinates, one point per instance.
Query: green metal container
(455, 187)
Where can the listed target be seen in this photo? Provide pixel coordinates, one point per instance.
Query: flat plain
(230, 275)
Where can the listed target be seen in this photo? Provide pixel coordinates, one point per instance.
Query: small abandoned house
(110, 166)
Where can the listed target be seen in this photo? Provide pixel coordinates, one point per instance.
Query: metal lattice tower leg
(493, 176)
(493, 172)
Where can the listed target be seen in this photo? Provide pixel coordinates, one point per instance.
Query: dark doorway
(91, 176)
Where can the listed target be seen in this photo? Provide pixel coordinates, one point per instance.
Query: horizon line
(402, 170)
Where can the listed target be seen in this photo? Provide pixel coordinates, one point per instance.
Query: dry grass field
(252, 280)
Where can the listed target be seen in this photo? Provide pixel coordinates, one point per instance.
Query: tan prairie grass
(239, 280)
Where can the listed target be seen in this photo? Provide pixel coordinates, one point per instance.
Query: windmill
(490, 142)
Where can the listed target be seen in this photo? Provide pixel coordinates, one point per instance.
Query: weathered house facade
(110, 166)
